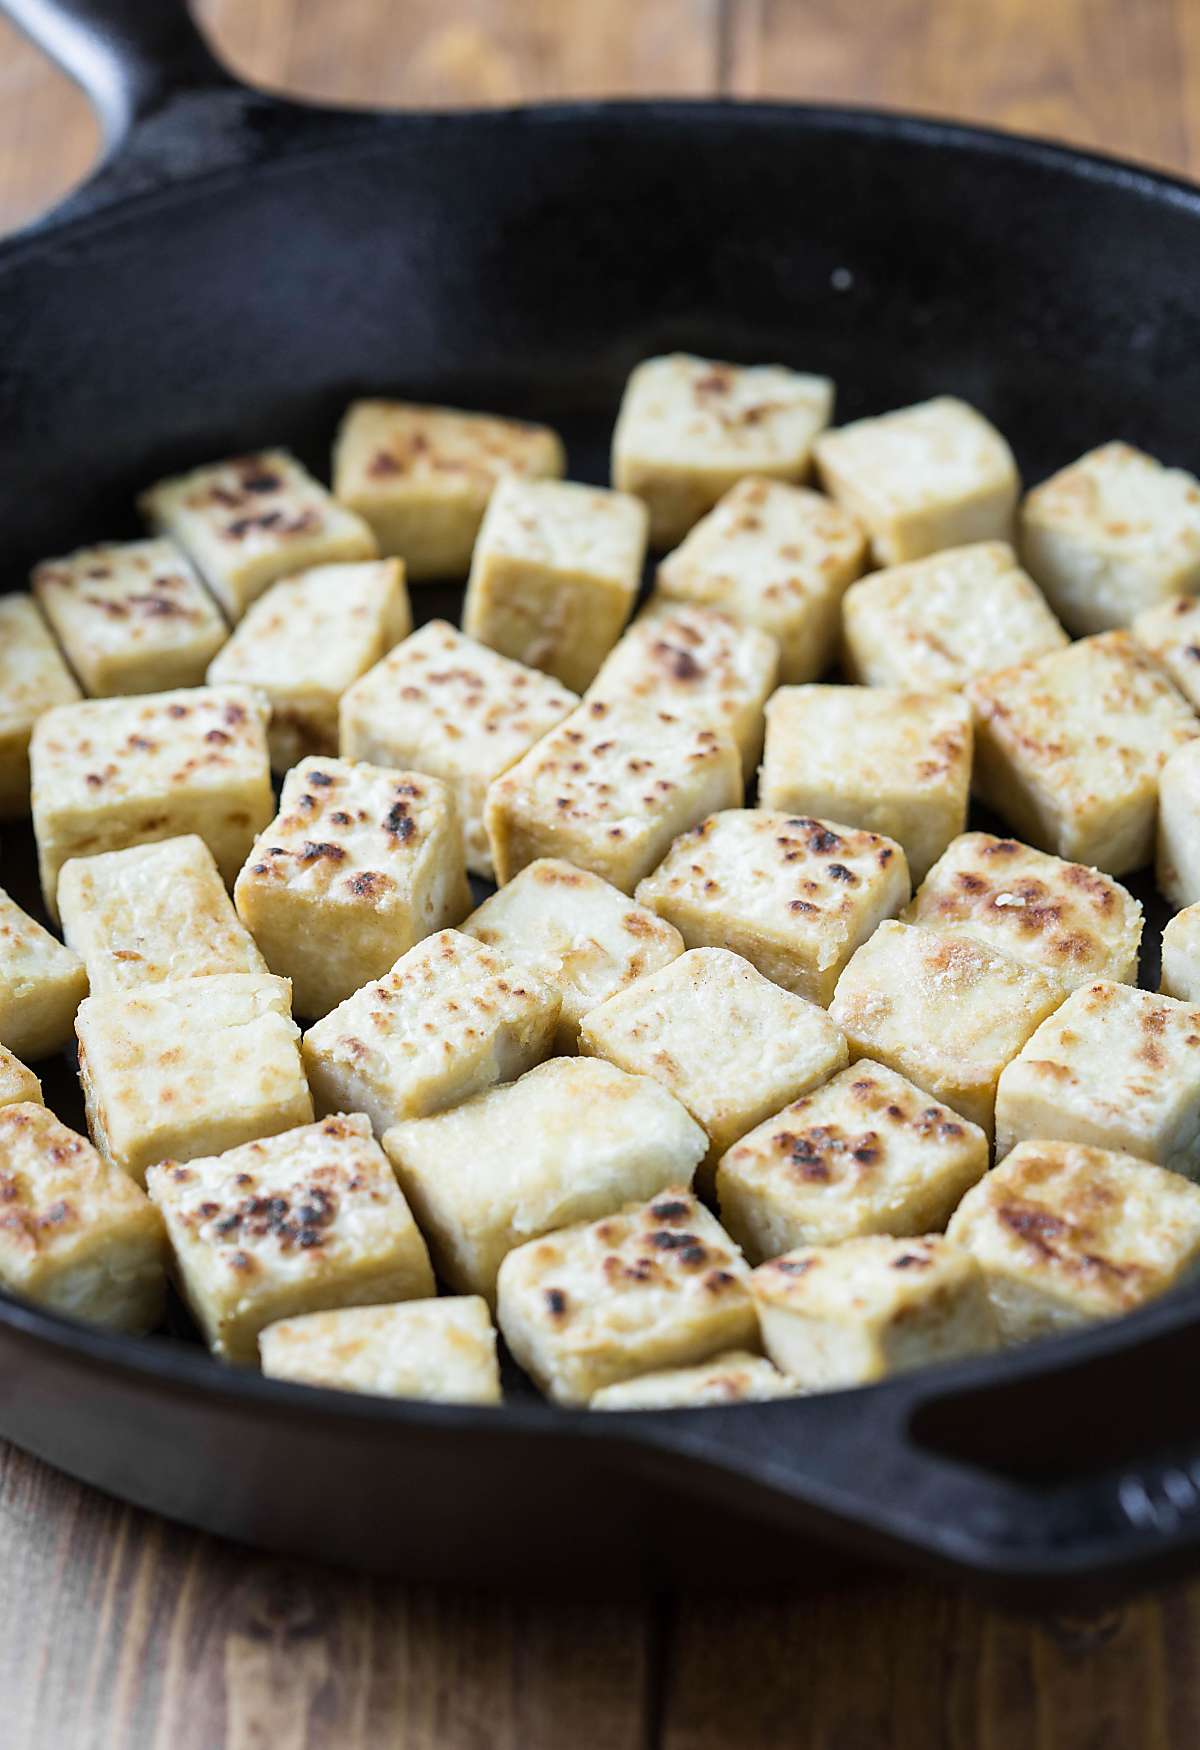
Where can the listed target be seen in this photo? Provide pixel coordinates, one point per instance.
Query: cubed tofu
(1067, 1234)
(855, 1313)
(923, 478)
(943, 1010)
(941, 621)
(877, 758)
(776, 557)
(1170, 633)
(247, 522)
(591, 1139)
(442, 1351)
(110, 773)
(300, 1222)
(307, 640)
(554, 575)
(690, 428)
(793, 895)
(451, 1019)
(444, 704)
(1115, 1068)
(151, 913)
(133, 617)
(1178, 841)
(190, 1067)
(1069, 747)
(608, 790)
(1061, 917)
(658, 1284)
(734, 1378)
(357, 866)
(33, 678)
(42, 983)
(1112, 535)
(17, 1084)
(77, 1235)
(732, 1046)
(866, 1153)
(422, 476)
(1181, 956)
(584, 938)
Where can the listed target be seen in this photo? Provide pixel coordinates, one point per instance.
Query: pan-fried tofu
(1177, 854)
(133, 617)
(793, 895)
(42, 983)
(1181, 956)
(878, 758)
(851, 1314)
(943, 1010)
(33, 678)
(777, 557)
(441, 1351)
(17, 1083)
(307, 640)
(923, 478)
(1112, 535)
(445, 704)
(690, 428)
(449, 1020)
(110, 773)
(591, 1139)
(655, 1285)
(1064, 918)
(248, 522)
(1069, 747)
(939, 622)
(734, 1378)
(1170, 633)
(190, 1067)
(301, 1222)
(608, 790)
(554, 574)
(584, 938)
(1067, 1234)
(151, 913)
(866, 1153)
(422, 476)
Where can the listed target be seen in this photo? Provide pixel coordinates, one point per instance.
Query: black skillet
(237, 271)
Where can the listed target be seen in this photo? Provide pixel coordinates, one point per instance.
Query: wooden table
(120, 1630)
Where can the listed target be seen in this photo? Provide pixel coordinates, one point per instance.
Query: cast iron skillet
(238, 269)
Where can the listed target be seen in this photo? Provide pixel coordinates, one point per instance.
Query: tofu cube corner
(42, 983)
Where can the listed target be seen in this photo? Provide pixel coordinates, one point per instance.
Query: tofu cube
(422, 476)
(943, 1010)
(190, 1067)
(1066, 1235)
(876, 758)
(608, 790)
(1112, 535)
(77, 1235)
(17, 1084)
(1063, 918)
(133, 617)
(591, 1140)
(307, 640)
(1069, 747)
(923, 478)
(1178, 841)
(152, 913)
(444, 704)
(659, 1284)
(1181, 956)
(441, 1351)
(110, 773)
(855, 1313)
(582, 937)
(794, 896)
(300, 1222)
(941, 621)
(734, 1378)
(690, 428)
(776, 557)
(33, 678)
(1170, 633)
(42, 983)
(866, 1153)
(247, 522)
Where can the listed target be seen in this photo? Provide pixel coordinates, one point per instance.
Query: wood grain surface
(122, 1631)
